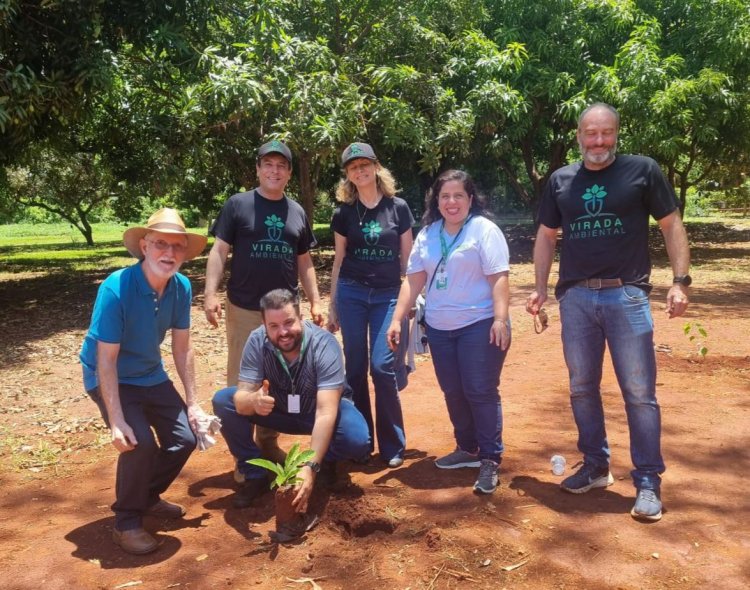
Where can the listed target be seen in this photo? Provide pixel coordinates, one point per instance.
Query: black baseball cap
(275, 147)
(357, 150)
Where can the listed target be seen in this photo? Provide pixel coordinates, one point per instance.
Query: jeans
(144, 473)
(363, 311)
(350, 437)
(621, 318)
(468, 369)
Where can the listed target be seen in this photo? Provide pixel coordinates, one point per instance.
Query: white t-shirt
(480, 250)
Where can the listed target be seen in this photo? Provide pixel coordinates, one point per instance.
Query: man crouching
(306, 394)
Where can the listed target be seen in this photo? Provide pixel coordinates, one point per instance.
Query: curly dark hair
(478, 201)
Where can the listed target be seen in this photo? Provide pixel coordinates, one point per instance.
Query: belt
(599, 283)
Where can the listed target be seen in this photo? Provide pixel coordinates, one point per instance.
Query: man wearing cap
(270, 238)
(124, 374)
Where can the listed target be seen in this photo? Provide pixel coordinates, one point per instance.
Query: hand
(393, 335)
(677, 300)
(332, 325)
(535, 301)
(315, 315)
(212, 309)
(304, 489)
(123, 437)
(195, 413)
(263, 402)
(500, 334)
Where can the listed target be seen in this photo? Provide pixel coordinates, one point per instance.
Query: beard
(289, 344)
(598, 159)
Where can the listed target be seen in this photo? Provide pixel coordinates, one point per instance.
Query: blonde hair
(346, 192)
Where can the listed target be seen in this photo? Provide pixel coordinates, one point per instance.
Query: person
(373, 240)
(270, 237)
(306, 393)
(602, 205)
(461, 258)
(124, 374)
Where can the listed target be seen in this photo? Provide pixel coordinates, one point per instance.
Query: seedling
(287, 474)
(697, 334)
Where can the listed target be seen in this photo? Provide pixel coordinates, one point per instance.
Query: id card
(441, 278)
(292, 402)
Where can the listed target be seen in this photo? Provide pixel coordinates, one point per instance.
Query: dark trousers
(158, 417)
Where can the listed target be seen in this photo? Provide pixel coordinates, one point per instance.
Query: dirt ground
(410, 528)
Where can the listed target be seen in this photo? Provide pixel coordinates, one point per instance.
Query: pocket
(634, 294)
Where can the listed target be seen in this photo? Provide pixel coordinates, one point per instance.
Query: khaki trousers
(240, 322)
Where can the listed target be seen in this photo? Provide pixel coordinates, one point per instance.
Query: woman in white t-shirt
(460, 258)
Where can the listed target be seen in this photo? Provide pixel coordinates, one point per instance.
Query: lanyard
(300, 358)
(445, 250)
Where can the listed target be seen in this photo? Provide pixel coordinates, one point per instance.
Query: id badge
(293, 402)
(441, 279)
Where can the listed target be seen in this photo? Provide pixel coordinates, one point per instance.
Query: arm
(326, 412)
(407, 241)
(676, 241)
(544, 253)
(500, 330)
(309, 282)
(410, 289)
(338, 259)
(123, 437)
(184, 362)
(217, 257)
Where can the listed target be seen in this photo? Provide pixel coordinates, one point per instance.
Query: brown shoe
(135, 541)
(164, 509)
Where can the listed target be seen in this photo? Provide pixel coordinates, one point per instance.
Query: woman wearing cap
(461, 258)
(372, 232)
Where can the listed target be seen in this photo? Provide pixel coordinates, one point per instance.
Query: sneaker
(395, 462)
(457, 459)
(647, 505)
(587, 477)
(248, 491)
(487, 481)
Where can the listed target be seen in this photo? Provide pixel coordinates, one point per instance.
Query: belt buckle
(591, 282)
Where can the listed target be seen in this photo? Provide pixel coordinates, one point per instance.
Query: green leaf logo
(594, 200)
(355, 150)
(372, 231)
(275, 225)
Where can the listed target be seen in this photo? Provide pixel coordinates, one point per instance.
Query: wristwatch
(313, 465)
(684, 280)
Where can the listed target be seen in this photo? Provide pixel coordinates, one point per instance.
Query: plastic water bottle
(557, 462)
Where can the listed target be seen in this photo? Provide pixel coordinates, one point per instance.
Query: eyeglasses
(163, 246)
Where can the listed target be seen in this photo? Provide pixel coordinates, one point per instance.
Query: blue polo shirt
(129, 312)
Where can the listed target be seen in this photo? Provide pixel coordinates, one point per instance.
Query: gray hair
(600, 105)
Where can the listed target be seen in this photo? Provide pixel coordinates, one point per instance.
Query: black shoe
(248, 491)
(327, 477)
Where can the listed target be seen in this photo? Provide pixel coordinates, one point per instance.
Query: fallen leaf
(485, 563)
(311, 581)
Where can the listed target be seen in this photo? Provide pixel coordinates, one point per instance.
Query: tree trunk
(307, 184)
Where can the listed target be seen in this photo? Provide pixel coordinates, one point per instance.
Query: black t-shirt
(373, 241)
(266, 236)
(604, 218)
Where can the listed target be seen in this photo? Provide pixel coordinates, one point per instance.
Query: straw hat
(164, 221)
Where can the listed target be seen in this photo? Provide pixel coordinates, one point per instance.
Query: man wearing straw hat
(124, 374)
(270, 238)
